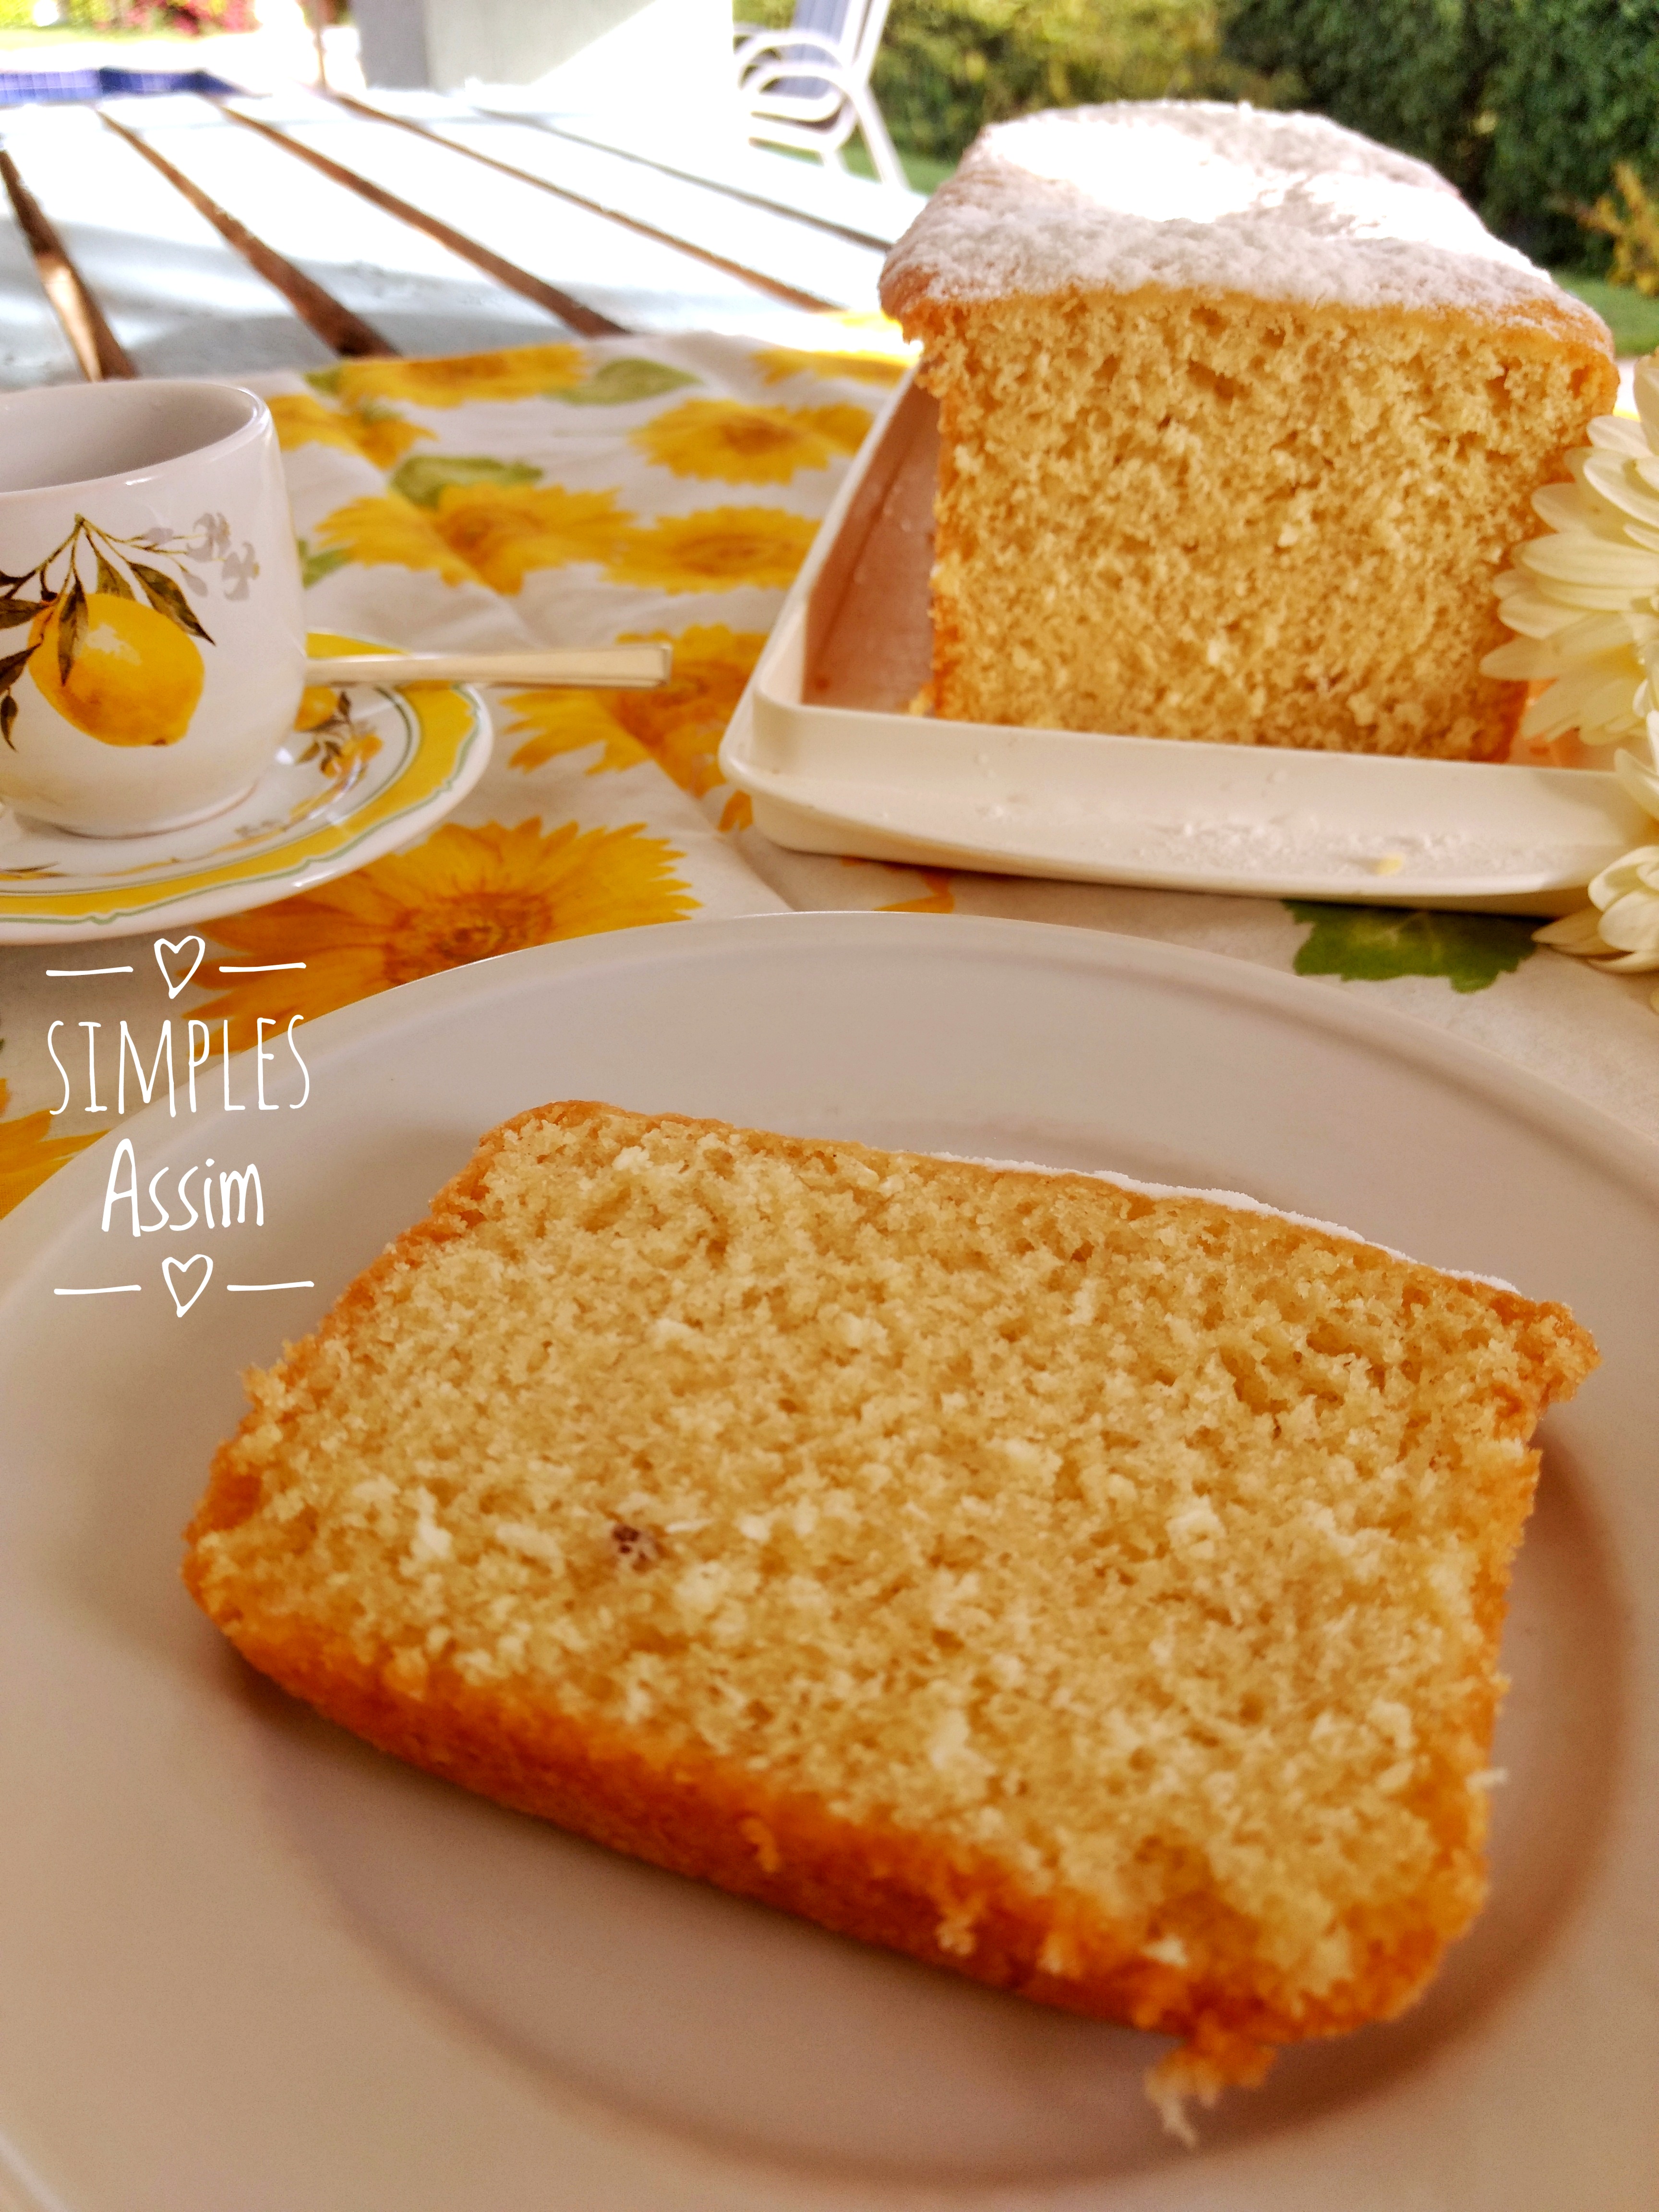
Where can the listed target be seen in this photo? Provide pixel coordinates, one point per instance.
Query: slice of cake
(1242, 416)
(1097, 1592)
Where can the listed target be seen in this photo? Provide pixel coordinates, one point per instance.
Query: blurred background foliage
(138, 18)
(947, 67)
(1526, 105)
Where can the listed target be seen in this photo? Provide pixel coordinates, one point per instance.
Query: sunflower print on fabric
(378, 435)
(30, 1151)
(468, 892)
(739, 444)
(679, 726)
(777, 364)
(504, 531)
(715, 549)
(491, 534)
(521, 372)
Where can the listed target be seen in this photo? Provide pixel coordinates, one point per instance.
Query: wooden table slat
(334, 324)
(98, 351)
(853, 207)
(558, 303)
(772, 248)
(178, 301)
(639, 282)
(34, 349)
(177, 234)
(419, 297)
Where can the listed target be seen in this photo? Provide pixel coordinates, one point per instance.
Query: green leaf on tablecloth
(314, 567)
(620, 383)
(327, 380)
(1373, 943)
(424, 477)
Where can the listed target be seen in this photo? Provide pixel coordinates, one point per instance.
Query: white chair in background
(809, 86)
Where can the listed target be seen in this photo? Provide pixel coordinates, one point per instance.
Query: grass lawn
(925, 171)
(1632, 318)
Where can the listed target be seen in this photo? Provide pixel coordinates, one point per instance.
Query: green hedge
(1577, 89)
(1525, 105)
(947, 67)
(1409, 72)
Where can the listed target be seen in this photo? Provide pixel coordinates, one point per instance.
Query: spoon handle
(596, 667)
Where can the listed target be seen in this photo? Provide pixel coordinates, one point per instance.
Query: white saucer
(335, 798)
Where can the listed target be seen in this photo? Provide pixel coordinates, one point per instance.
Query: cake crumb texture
(1094, 1594)
(1240, 418)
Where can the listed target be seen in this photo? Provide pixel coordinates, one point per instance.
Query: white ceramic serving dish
(833, 763)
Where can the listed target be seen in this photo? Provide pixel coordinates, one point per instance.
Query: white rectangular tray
(833, 763)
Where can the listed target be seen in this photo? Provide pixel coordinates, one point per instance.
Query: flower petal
(1617, 433)
(1613, 477)
(1526, 660)
(1646, 382)
(1600, 633)
(1579, 934)
(1575, 557)
(1639, 779)
(1629, 901)
(1535, 611)
(1629, 964)
(1575, 507)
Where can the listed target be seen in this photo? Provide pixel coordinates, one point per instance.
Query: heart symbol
(166, 945)
(182, 1306)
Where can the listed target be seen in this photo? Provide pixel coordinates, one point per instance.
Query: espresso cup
(152, 632)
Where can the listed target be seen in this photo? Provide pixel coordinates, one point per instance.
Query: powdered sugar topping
(1195, 195)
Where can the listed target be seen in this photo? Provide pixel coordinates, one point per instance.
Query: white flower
(1585, 598)
(1627, 896)
(1620, 928)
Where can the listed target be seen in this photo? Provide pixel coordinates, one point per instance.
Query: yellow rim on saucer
(449, 727)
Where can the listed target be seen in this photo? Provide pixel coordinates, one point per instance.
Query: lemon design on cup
(121, 662)
(136, 680)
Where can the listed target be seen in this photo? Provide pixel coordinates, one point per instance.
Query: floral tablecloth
(566, 494)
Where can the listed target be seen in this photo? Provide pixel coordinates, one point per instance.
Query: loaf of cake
(1094, 1592)
(1242, 416)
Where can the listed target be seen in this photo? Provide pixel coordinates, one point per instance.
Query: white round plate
(247, 1964)
(334, 798)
